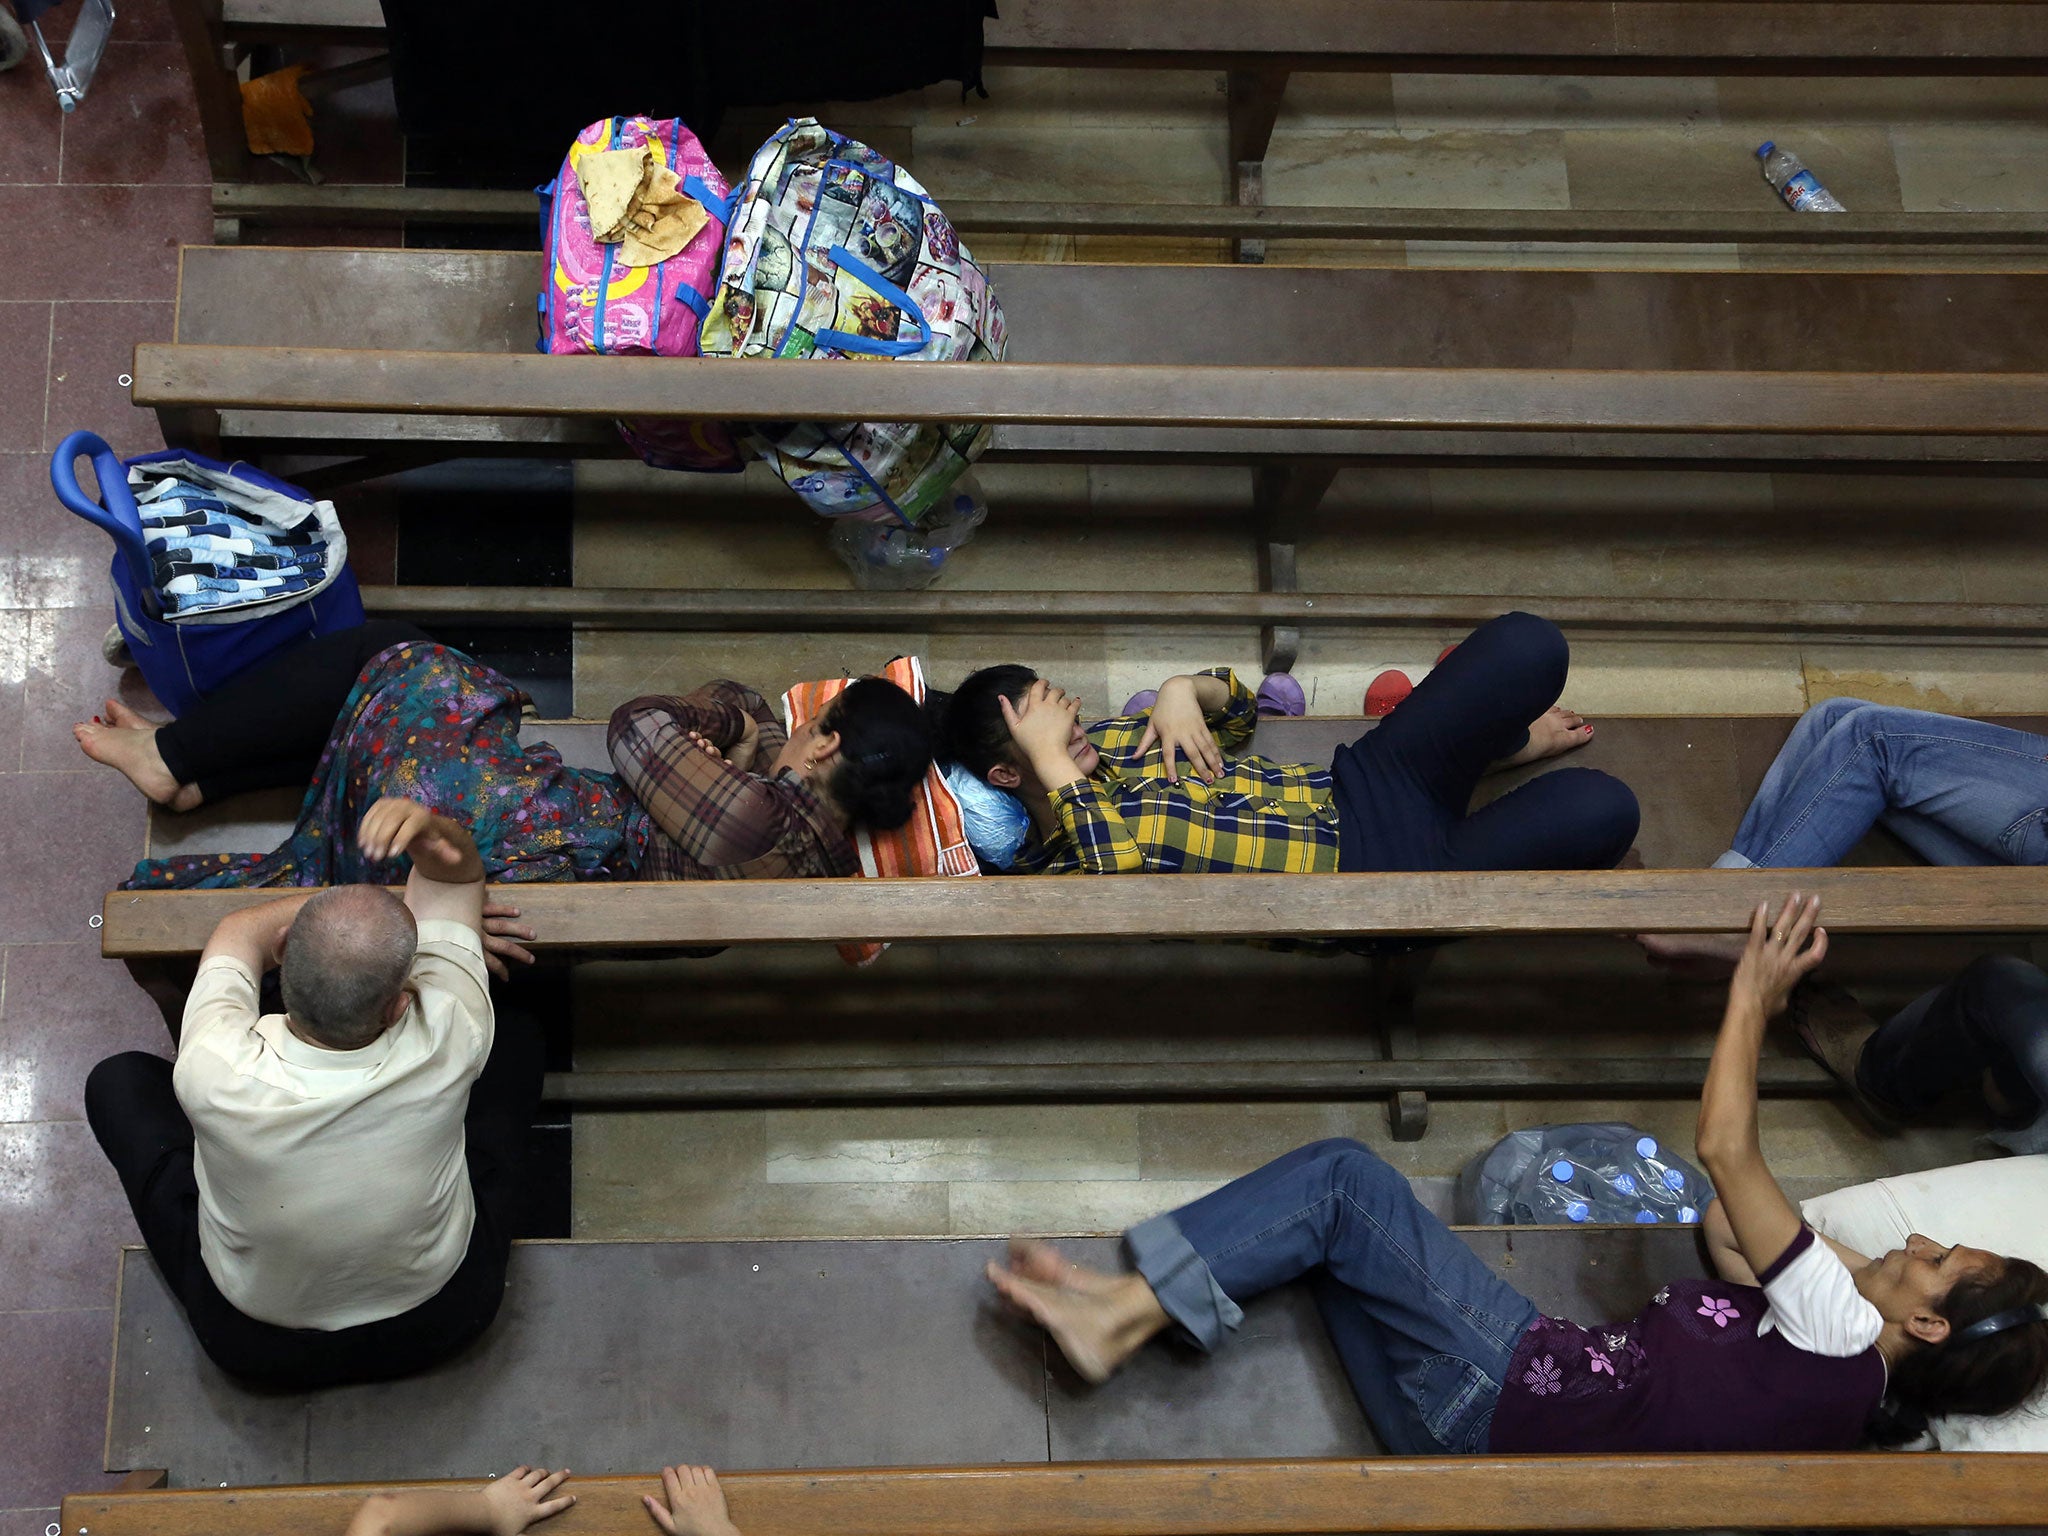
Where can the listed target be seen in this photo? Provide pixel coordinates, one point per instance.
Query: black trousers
(1993, 1018)
(266, 728)
(136, 1116)
(1403, 789)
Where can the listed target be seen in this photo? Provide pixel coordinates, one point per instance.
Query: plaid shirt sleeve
(1240, 716)
(1096, 828)
(712, 811)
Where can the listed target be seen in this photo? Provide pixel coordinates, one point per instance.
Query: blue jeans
(1993, 1018)
(1424, 1330)
(1954, 791)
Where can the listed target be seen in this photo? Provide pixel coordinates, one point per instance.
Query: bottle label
(1801, 190)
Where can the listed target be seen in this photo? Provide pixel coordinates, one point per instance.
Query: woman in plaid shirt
(1115, 798)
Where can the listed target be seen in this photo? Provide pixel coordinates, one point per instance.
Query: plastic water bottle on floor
(1800, 188)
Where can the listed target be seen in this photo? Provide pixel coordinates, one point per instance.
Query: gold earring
(810, 765)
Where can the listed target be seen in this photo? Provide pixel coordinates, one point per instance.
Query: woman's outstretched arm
(1779, 953)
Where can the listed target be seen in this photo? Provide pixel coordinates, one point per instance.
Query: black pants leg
(1992, 1018)
(1403, 788)
(134, 1113)
(266, 728)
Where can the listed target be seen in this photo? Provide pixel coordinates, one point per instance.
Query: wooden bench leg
(144, 1478)
(188, 426)
(214, 85)
(1283, 497)
(1254, 96)
(1395, 981)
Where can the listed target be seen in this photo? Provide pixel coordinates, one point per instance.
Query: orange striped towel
(933, 841)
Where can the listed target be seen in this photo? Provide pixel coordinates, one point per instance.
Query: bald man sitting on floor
(330, 1191)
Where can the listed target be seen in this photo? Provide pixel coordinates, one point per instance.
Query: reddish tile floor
(93, 208)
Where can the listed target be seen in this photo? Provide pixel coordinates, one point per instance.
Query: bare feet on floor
(1559, 731)
(124, 740)
(692, 1503)
(1711, 955)
(1097, 1320)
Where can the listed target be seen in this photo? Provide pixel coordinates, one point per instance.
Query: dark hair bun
(885, 750)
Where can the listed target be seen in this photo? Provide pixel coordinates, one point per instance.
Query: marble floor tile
(143, 123)
(24, 355)
(1668, 677)
(1083, 1207)
(1714, 166)
(1990, 168)
(1512, 103)
(53, 1377)
(31, 129)
(947, 1144)
(1329, 99)
(62, 1009)
(614, 666)
(65, 838)
(1455, 168)
(66, 680)
(17, 626)
(63, 1217)
(92, 349)
(702, 1175)
(48, 557)
(1949, 679)
(1222, 1141)
(77, 254)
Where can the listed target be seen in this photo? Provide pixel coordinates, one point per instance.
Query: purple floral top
(1690, 1372)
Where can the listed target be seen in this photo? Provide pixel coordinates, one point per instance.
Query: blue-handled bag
(835, 251)
(184, 655)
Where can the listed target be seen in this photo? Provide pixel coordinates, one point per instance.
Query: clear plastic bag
(1554, 1174)
(885, 556)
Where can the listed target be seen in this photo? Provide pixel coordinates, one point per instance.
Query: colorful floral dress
(429, 724)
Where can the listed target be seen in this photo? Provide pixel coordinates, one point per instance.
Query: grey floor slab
(615, 1357)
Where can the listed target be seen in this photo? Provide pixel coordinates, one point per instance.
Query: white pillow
(2000, 1204)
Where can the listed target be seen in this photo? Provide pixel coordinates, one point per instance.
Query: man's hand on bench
(501, 930)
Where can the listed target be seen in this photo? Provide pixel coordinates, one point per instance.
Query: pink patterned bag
(592, 302)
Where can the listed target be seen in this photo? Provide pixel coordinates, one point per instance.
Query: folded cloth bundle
(638, 206)
(204, 555)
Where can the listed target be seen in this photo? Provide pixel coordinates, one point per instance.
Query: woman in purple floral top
(1795, 1347)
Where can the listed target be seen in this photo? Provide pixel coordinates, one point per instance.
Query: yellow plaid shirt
(1126, 818)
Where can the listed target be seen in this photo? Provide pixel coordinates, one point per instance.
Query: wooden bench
(1257, 53)
(1382, 366)
(972, 970)
(1226, 1498)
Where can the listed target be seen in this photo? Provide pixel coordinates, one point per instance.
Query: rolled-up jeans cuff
(1733, 860)
(1181, 1279)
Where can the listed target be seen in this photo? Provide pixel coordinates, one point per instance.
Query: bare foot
(692, 1503)
(132, 750)
(1098, 1321)
(1036, 1259)
(1711, 955)
(1559, 731)
(119, 714)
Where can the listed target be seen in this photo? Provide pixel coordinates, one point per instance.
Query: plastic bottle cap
(1625, 1183)
(1577, 1210)
(1646, 1218)
(1688, 1215)
(1765, 148)
(1646, 1146)
(1561, 1171)
(1673, 1179)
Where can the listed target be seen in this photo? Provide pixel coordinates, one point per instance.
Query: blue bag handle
(119, 516)
(720, 208)
(888, 290)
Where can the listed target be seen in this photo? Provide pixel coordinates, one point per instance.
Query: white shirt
(333, 1187)
(1814, 1302)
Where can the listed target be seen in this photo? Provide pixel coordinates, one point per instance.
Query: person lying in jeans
(1799, 1345)
(331, 1192)
(1158, 793)
(1983, 1036)
(1955, 791)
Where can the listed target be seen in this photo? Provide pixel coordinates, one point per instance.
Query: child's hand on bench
(523, 1497)
(692, 1503)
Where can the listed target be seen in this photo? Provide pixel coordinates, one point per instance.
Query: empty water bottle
(1800, 188)
(886, 556)
(1577, 1173)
